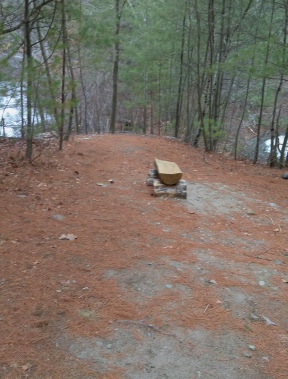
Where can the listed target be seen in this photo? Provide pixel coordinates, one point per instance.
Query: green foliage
(222, 53)
(213, 129)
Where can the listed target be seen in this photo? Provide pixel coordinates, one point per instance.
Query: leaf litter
(60, 328)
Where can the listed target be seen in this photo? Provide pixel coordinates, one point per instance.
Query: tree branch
(20, 24)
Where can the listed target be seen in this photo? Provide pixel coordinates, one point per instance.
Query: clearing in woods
(150, 288)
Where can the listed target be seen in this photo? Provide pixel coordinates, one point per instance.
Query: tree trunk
(151, 119)
(256, 155)
(29, 84)
(73, 106)
(145, 104)
(22, 93)
(63, 84)
(273, 159)
(49, 76)
(159, 100)
(242, 115)
(180, 85)
(115, 66)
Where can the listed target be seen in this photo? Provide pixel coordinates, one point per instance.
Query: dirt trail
(151, 288)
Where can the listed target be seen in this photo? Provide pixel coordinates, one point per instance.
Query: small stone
(212, 281)
(102, 185)
(273, 205)
(169, 286)
(268, 321)
(254, 317)
(285, 176)
(277, 262)
(58, 217)
(248, 355)
(70, 237)
(109, 346)
(261, 283)
(252, 347)
(26, 367)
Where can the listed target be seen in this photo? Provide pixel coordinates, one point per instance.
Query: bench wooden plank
(169, 172)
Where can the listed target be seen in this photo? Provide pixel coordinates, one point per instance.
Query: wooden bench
(169, 172)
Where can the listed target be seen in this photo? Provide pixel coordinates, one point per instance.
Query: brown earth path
(151, 288)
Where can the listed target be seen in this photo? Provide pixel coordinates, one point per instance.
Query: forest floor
(151, 288)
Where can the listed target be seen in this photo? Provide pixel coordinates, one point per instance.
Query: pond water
(248, 148)
(10, 112)
(267, 146)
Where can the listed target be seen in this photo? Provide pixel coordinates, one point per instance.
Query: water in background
(10, 112)
(267, 145)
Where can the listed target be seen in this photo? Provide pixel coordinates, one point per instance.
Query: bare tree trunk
(159, 100)
(170, 96)
(274, 129)
(203, 82)
(151, 119)
(38, 106)
(118, 13)
(263, 89)
(283, 158)
(180, 85)
(29, 84)
(63, 84)
(242, 115)
(22, 92)
(83, 87)
(73, 106)
(145, 104)
(190, 108)
(48, 75)
(273, 160)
